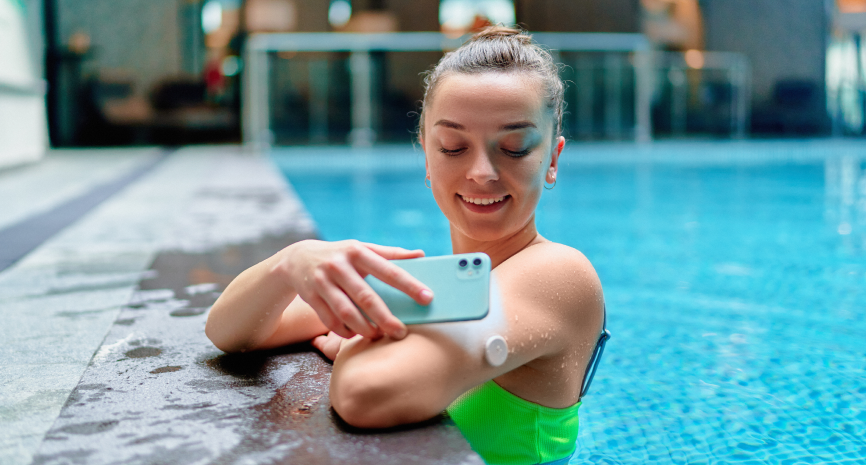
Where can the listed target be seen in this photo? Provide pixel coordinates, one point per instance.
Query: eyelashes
(451, 152)
(510, 153)
(518, 154)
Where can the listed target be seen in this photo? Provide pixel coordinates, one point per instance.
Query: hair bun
(502, 32)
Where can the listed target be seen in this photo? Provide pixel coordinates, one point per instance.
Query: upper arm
(387, 382)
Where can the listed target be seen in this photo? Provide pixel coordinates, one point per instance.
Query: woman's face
(489, 145)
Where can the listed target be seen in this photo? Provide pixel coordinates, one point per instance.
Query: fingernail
(401, 333)
(427, 295)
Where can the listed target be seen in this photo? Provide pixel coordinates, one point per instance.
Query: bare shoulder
(558, 278)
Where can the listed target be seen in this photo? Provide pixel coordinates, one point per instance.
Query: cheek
(532, 174)
(441, 180)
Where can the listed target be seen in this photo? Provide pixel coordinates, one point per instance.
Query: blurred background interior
(735, 273)
(83, 73)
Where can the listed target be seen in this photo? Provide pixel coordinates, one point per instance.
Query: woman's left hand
(329, 344)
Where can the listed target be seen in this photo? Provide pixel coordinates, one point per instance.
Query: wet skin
(489, 147)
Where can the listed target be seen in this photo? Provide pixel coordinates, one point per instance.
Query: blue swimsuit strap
(596, 356)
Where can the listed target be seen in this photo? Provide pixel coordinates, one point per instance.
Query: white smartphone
(460, 285)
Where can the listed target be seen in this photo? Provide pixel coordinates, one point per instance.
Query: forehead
(489, 96)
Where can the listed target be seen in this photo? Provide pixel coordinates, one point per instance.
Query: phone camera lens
(476, 262)
(463, 263)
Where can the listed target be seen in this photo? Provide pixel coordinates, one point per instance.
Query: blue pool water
(734, 277)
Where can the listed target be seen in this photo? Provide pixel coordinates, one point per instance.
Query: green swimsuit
(505, 429)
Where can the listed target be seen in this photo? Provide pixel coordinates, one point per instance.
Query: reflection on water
(735, 283)
(845, 195)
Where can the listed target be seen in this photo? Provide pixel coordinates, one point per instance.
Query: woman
(490, 130)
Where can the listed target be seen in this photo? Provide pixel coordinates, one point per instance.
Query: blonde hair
(500, 49)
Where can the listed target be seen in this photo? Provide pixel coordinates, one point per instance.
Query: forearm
(249, 311)
(384, 383)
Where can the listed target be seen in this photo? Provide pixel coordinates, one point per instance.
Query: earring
(427, 183)
(551, 186)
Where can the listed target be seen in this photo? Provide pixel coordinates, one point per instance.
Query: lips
(484, 204)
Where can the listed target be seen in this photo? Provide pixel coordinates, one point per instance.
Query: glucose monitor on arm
(496, 350)
(481, 338)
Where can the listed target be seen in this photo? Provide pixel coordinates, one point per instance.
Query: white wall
(23, 124)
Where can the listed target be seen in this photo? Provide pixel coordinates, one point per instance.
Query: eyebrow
(450, 124)
(518, 125)
(505, 127)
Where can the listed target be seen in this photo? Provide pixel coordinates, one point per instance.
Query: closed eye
(451, 152)
(512, 153)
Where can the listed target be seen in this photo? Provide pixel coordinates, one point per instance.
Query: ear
(550, 177)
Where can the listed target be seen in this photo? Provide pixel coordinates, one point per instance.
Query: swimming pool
(734, 277)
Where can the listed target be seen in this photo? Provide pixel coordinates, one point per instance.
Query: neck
(500, 249)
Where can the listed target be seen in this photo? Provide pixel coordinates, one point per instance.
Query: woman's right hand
(329, 276)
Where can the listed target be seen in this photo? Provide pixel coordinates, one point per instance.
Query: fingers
(332, 283)
(328, 345)
(393, 275)
(319, 342)
(327, 316)
(373, 306)
(393, 253)
(342, 288)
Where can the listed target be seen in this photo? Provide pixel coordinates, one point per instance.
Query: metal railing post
(743, 98)
(679, 99)
(613, 95)
(643, 83)
(256, 111)
(361, 69)
(318, 75)
(584, 70)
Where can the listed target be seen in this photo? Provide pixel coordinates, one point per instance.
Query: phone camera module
(476, 262)
(463, 263)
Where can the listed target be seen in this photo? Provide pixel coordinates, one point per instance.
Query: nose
(482, 169)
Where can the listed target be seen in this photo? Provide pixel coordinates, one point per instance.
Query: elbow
(215, 339)
(220, 340)
(374, 402)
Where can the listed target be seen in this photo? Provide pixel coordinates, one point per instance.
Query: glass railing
(318, 88)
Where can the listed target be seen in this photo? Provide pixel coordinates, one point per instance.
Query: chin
(485, 233)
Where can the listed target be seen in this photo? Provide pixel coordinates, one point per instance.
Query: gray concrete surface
(157, 391)
(59, 302)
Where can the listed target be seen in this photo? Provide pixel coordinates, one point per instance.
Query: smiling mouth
(480, 201)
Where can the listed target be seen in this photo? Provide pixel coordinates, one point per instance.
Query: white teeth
(482, 201)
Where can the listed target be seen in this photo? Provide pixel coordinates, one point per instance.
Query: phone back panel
(460, 293)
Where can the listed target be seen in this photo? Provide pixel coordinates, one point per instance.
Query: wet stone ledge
(158, 392)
